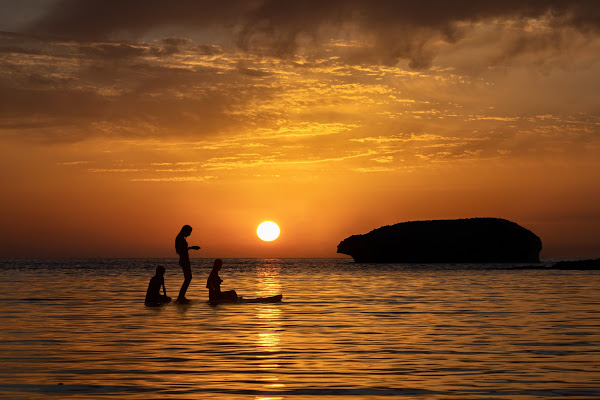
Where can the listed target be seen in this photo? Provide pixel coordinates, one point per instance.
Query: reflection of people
(181, 247)
(213, 284)
(153, 296)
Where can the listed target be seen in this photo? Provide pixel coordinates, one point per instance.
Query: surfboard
(240, 300)
(271, 299)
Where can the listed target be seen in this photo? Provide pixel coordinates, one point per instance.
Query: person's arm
(163, 285)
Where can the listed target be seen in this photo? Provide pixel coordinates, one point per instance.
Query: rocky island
(578, 265)
(488, 240)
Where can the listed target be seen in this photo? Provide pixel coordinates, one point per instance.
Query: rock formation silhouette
(578, 265)
(486, 240)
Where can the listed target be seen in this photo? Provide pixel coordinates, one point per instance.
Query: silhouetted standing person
(181, 247)
(153, 296)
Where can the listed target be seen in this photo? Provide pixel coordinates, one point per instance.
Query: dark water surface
(78, 329)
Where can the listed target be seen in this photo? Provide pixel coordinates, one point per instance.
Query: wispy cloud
(175, 179)
(412, 137)
(115, 170)
(73, 163)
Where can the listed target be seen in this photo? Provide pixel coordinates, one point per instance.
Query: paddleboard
(271, 299)
(240, 299)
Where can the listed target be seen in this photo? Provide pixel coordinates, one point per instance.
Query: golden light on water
(268, 340)
(268, 316)
(268, 231)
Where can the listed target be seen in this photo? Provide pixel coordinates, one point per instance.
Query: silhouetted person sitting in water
(181, 247)
(213, 284)
(153, 296)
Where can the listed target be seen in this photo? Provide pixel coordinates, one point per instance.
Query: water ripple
(79, 329)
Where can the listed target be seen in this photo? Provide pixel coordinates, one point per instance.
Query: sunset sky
(121, 121)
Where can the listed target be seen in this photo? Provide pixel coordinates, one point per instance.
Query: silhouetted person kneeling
(213, 284)
(181, 247)
(153, 296)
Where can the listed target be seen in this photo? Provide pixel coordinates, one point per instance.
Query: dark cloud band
(396, 29)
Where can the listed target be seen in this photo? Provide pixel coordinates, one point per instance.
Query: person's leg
(153, 301)
(187, 274)
(165, 299)
(229, 295)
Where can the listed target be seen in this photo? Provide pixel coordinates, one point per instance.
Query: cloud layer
(387, 31)
(303, 78)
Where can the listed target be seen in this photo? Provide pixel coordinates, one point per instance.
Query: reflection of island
(460, 240)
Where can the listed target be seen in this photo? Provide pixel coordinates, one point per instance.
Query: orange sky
(119, 124)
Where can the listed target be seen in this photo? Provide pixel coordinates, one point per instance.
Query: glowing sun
(268, 231)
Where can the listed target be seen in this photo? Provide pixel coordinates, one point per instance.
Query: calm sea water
(78, 329)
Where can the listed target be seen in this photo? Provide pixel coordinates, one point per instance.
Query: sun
(268, 231)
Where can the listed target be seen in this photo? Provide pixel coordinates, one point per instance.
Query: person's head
(160, 270)
(218, 264)
(186, 230)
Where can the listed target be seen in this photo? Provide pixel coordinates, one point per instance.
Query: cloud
(101, 20)
(374, 169)
(112, 50)
(73, 163)
(169, 90)
(386, 31)
(253, 72)
(113, 170)
(68, 91)
(412, 137)
(175, 179)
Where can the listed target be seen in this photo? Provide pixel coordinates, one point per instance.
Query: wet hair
(160, 270)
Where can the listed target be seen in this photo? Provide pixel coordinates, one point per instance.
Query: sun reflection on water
(268, 279)
(367, 332)
(268, 338)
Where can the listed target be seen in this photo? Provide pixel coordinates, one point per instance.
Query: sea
(79, 329)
